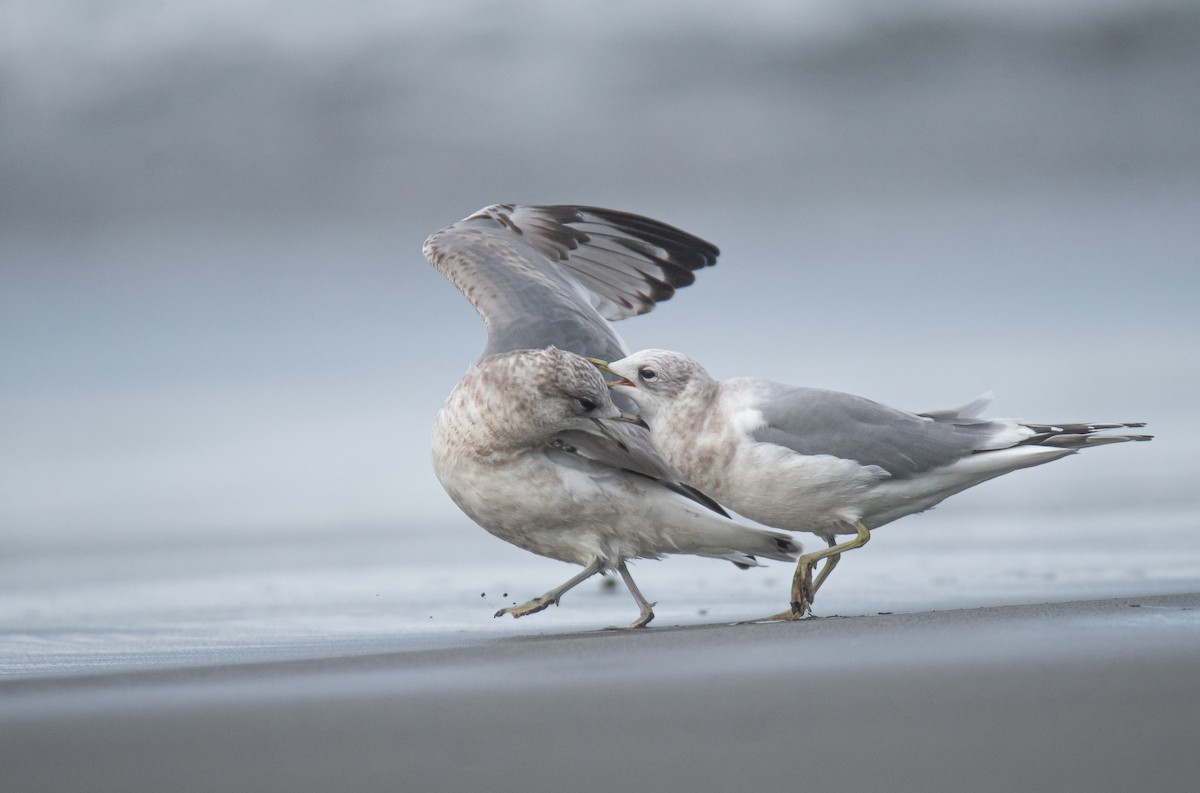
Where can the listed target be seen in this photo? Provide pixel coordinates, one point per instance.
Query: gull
(825, 462)
(510, 448)
(542, 276)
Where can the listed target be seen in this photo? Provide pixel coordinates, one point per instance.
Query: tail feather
(1077, 436)
(770, 545)
(721, 538)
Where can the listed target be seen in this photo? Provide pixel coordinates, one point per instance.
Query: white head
(655, 378)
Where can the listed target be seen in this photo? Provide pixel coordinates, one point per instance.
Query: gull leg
(803, 588)
(551, 598)
(826, 569)
(646, 608)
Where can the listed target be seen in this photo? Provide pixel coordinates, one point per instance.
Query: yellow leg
(803, 587)
(826, 569)
(551, 598)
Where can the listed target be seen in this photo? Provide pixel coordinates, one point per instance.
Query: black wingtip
(687, 251)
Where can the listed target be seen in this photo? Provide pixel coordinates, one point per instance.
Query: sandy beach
(1089, 696)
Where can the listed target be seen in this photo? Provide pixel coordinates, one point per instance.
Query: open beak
(602, 365)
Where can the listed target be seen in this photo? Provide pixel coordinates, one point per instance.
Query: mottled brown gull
(825, 462)
(501, 451)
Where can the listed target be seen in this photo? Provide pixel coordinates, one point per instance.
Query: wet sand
(1089, 696)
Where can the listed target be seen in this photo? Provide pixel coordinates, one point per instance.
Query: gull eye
(585, 403)
(647, 375)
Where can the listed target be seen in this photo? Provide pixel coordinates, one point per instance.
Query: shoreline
(1094, 695)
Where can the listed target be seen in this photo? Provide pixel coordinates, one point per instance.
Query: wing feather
(576, 266)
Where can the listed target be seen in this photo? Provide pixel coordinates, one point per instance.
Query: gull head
(526, 396)
(655, 378)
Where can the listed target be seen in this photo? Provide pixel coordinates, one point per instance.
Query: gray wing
(816, 421)
(555, 275)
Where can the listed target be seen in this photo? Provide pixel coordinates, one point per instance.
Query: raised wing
(555, 275)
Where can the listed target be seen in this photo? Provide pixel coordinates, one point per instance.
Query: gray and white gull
(825, 462)
(525, 444)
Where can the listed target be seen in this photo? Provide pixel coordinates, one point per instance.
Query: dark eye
(647, 374)
(586, 403)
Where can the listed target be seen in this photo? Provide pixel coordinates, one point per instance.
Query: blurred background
(216, 324)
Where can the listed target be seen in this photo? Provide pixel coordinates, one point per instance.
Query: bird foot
(531, 607)
(642, 621)
(790, 616)
(797, 612)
